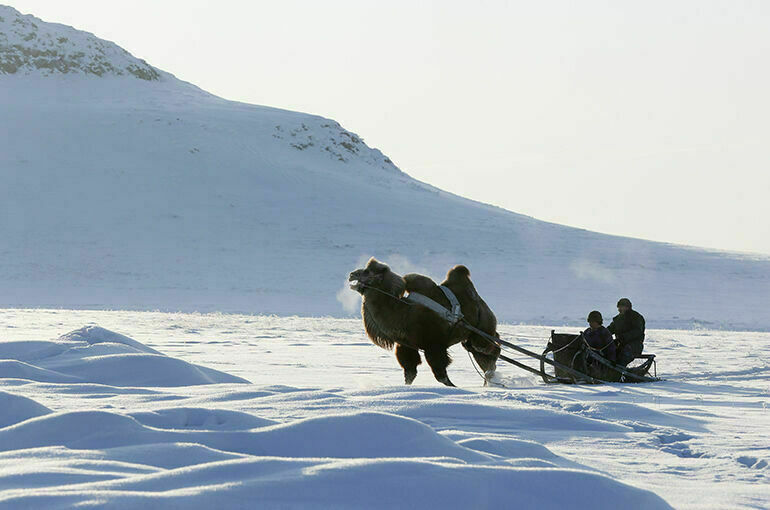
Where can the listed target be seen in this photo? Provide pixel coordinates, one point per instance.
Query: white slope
(328, 424)
(126, 189)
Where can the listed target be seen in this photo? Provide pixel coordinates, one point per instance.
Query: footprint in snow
(752, 462)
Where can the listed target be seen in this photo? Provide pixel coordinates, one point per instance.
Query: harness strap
(452, 316)
(456, 310)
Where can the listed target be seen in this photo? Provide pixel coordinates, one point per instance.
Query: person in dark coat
(599, 337)
(628, 328)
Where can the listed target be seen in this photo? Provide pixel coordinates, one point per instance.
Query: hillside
(124, 187)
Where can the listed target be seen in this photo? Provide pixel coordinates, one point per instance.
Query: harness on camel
(452, 315)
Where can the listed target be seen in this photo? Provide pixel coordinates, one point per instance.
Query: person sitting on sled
(628, 328)
(599, 337)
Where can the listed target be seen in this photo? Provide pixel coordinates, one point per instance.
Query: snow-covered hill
(124, 187)
(30, 46)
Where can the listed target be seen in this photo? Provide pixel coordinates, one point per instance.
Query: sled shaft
(556, 364)
(523, 366)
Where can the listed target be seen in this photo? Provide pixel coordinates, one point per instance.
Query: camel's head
(377, 275)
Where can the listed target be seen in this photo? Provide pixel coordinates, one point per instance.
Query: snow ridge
(332, 140)
(29, 45)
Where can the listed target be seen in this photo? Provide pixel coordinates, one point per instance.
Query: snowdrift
(95, 355)
(368, 460)
(17, 408)
(181, 446)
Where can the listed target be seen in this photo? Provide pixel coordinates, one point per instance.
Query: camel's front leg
(408, 358)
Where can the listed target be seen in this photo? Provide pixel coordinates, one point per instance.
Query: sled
(573, 361)
(572, 350)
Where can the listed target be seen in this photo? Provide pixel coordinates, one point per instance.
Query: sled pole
(525, 367)
(575, 373)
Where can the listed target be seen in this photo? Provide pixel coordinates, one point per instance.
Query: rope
(386, 293)
(473, 362)
(595, 349)
(565, 346)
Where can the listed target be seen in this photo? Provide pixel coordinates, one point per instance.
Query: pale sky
(646, 119)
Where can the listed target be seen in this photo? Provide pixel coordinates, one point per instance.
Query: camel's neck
(381, 313)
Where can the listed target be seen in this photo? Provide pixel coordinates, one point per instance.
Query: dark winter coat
(628, 328)
(601, 339)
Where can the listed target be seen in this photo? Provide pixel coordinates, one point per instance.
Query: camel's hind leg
(439, 359)
(408, 358)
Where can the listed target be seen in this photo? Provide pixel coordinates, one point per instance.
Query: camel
(410, 327)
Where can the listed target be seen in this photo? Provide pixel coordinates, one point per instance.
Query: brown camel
(410, 327)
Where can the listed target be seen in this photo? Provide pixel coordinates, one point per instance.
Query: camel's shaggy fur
(411, 328)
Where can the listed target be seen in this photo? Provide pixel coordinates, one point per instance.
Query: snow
(30, 46)
(126, 188)
(124, 193)
(96, 355)
(324, 421)
(17, 408)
